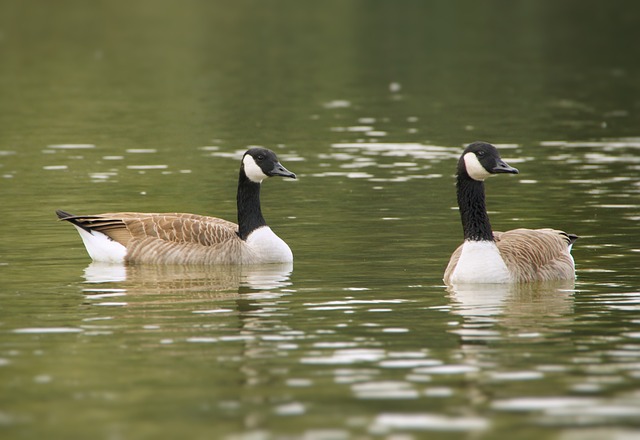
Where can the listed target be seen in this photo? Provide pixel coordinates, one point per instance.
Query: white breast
(480, 262)
(266, 247)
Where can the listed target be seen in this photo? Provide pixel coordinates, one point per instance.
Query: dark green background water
(148, 106)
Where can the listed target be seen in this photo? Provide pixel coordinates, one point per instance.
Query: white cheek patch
(474, 168)
(252, 170)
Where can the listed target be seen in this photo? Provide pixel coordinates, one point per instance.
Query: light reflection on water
(360, 339)
(406, 355)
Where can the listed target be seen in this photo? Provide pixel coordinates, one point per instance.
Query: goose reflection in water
(506, 330)
(188, 281)
(524, 308)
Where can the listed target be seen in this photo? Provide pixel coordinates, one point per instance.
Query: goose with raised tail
(487, 256)
(176, 238)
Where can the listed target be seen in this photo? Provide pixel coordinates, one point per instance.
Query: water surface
(148, 107)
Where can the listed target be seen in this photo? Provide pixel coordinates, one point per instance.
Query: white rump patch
(102, 248)
(252, 170)
(480, 262)
(474, 168)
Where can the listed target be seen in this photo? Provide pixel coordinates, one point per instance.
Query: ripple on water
(289, 156)
(72, 146)
(508, 376)
(415, 158)
(299, 382)
(147, 167)
(327, 344)
(427, 422)
(526, 404)
(409, 363)
(395, 330)
(438, 392)
(202, 340)
(357, 301)
(562, 411)
(212, 311)
(290, 409)
(385, 390)
(101, 176)
(346, 357)
(47, 330)
(354, 128)
(354, 375)
(607, 144)
(448, 369)
(337, 103)
(141, 150)
(395, 149)
(351, 304)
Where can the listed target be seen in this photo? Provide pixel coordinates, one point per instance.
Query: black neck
(473, 211)
(249, 214)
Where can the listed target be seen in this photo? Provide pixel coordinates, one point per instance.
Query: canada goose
(174, 238)
(519, 255)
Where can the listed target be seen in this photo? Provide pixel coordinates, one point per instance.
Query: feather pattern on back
(170, 238)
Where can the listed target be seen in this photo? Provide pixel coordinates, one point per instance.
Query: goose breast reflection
(187, 279)
(176, 238)
(487, 256)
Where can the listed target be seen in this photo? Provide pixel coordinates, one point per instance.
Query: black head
(481, 160)
(259, 163)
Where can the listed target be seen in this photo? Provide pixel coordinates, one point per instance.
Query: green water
(148, 106)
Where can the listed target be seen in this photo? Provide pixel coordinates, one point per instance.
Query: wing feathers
(176, 227)
(166, 238)
(453, 262)
(537, 254)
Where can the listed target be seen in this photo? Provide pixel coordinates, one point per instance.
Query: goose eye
(480, 153)
(260, 157)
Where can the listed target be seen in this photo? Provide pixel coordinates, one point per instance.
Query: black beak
(279, 170)
(502, 167)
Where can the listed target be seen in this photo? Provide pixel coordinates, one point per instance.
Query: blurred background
(148, 106)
